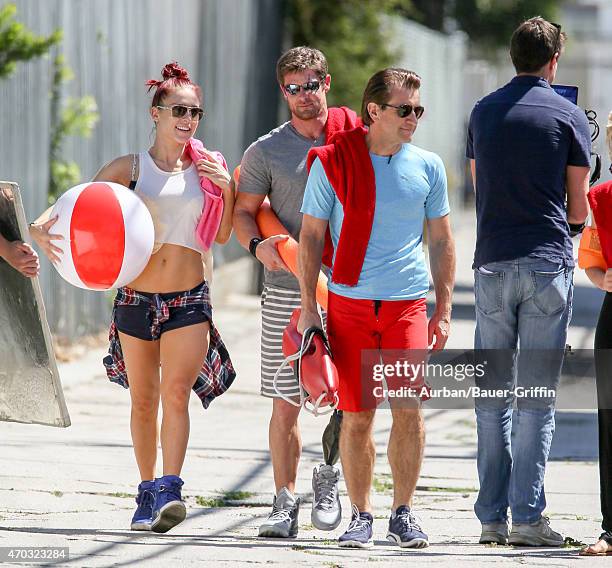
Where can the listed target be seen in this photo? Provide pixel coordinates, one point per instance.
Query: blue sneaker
(168, 509)
(405, 530)
(359, 532)
(141, 521)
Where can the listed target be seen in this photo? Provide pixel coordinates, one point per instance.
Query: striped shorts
(277, 305)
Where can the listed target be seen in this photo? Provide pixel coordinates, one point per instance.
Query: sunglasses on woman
(309, 87)
(179, 111)
(406, 110)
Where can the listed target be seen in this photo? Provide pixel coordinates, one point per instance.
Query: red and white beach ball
(108, 235)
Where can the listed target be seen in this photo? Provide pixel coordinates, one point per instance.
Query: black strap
(134, 179)
(314, 330)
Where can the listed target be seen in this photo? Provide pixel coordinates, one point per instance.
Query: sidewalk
(75, 487)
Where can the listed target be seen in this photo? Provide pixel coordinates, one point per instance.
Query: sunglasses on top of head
(558, 38)
(179, 111)
(406, 110)
(309, 87)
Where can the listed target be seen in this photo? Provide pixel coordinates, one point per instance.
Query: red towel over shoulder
(338, 120)
(347, 164)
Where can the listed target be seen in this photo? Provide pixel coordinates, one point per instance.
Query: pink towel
(209, 222)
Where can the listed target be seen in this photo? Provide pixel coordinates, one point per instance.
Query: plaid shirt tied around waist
(217, 372)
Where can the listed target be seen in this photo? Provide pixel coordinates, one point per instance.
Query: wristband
(253, 245)
(576, 228)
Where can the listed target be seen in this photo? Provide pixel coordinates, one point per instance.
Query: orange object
(589, 250)
(269, 225)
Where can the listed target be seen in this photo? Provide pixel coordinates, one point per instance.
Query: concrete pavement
(75, 487)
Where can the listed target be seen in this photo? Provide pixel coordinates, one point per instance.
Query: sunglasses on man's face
(309, 87)
(179, 111)
(406, 110)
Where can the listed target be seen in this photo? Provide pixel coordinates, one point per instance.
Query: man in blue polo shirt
(529, 150)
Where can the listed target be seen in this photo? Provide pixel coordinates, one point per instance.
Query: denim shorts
(137, 320)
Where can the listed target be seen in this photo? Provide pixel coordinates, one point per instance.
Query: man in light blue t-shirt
(375, 190)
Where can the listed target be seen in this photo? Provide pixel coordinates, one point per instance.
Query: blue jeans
(523, 308)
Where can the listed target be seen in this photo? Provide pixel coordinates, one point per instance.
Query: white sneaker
(535, 534)
(326, 509)
(282, 522)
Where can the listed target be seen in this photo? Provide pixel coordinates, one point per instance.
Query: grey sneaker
(326, 509)
(494, 533)
(283, 520)
(534, 534)
(405, 530)
(359, 532)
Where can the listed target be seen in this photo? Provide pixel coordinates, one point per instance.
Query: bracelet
(253, 243)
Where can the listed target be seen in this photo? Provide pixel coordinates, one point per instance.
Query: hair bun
(174, 70)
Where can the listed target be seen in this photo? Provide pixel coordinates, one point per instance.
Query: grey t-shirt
(275, 165)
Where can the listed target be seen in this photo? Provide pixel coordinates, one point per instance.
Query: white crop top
(175, 201)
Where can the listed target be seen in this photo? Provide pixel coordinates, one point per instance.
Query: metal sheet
(30, 387)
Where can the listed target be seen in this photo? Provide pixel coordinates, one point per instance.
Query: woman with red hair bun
(162, 321)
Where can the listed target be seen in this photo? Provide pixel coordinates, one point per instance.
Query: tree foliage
(75, 117)
(350, 34)
(488, 23)
(17, 43)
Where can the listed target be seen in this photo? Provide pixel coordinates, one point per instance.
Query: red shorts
(359, 329)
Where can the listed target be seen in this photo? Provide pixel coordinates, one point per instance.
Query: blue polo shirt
(410, 188)
(523, 136)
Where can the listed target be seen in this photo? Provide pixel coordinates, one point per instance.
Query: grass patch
(436, 489)
(57, 493)
(311, 551)
(307, 550)
(237, 495)
(121, 494)
(570, 542)
(210, 502)
(382, 485)
(226, 499)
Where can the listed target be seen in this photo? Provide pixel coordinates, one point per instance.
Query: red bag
(311, 358)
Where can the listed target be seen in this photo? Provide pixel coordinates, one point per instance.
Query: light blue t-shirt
(409, 188)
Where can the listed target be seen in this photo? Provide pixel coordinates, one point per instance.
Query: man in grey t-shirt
(275, 167)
